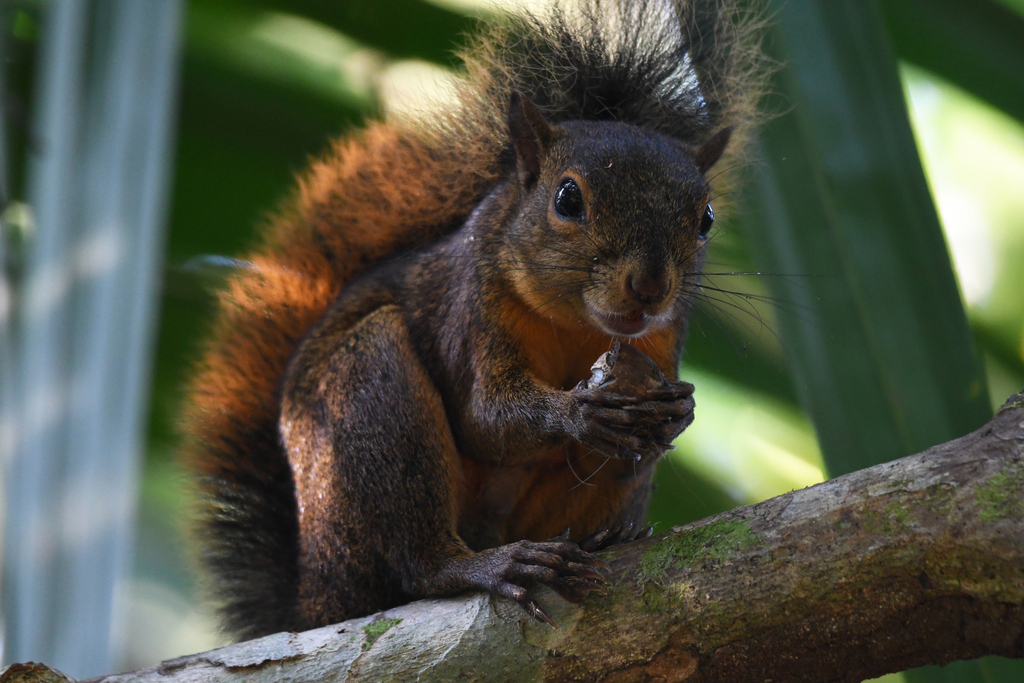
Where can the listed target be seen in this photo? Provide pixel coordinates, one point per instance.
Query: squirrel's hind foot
(511, 570)
(606, 538)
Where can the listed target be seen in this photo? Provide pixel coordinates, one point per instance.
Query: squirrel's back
(680, 68)
(382, 191)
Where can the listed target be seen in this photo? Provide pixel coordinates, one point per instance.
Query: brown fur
(388, 395)
(348, 213)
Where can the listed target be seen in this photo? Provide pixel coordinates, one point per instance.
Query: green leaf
(285, 51)
(877, 340)
(402, 28)
(976, 44)
(880, 351)
(987, 670)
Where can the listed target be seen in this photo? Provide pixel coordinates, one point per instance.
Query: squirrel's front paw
(629, 408)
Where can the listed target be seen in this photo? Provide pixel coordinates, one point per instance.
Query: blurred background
(865, 296)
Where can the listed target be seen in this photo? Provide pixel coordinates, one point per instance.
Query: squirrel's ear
(530, 133)
(711, 151)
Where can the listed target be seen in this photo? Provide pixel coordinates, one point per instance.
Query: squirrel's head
(612, 221)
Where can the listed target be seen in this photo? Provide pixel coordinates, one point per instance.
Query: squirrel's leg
(379, 484)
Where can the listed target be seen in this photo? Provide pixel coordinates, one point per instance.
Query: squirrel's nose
(647, 290)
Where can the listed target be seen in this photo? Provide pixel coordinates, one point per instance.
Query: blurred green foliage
(857, 317)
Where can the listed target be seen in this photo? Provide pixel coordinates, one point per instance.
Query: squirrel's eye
(706, 221)
(569, 199)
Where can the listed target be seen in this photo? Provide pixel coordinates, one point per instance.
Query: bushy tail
(383, 191)
(400, 185)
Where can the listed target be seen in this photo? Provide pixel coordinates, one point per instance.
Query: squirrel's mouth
(626, 324)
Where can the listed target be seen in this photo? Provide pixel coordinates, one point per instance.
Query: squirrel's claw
(576, 590)
(539, 614)
(606, 538)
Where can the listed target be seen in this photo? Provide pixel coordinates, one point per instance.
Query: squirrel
(393, 403)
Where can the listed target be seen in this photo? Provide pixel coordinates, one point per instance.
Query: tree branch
(911, 562)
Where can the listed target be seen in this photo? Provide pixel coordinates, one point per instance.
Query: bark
(911, 562)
